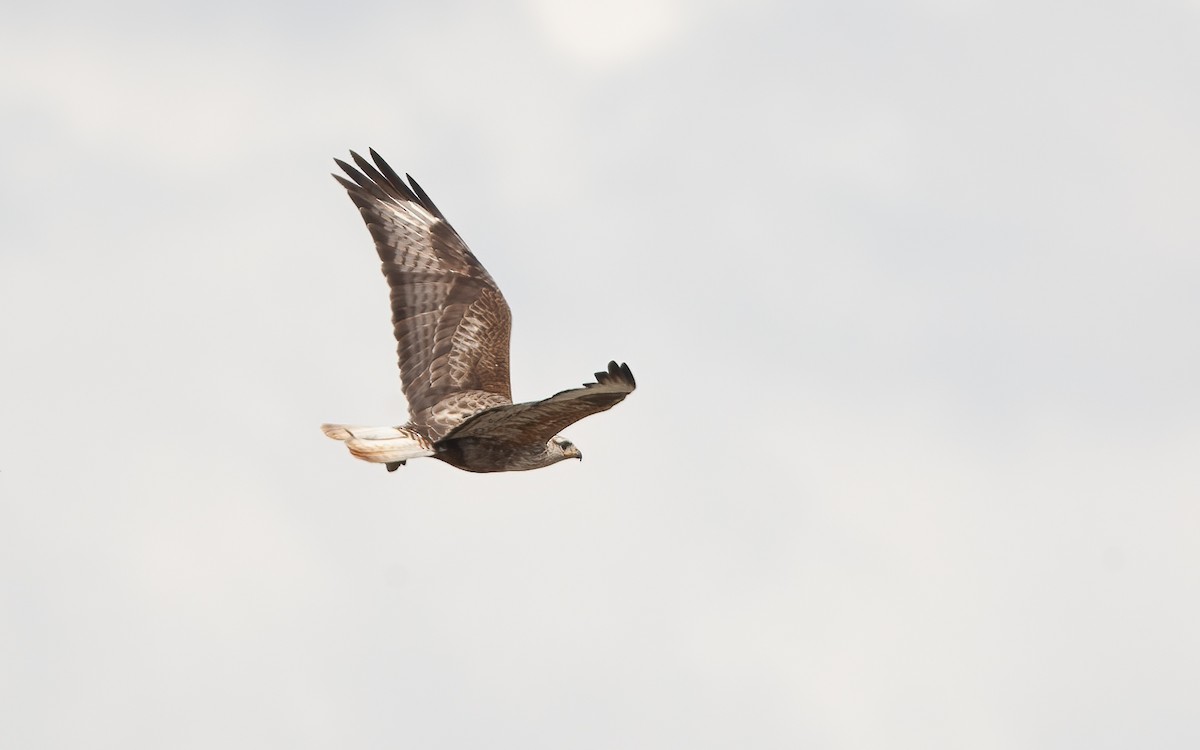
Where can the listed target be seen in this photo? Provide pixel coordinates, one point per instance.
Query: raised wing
(451, 322)
(538, 421)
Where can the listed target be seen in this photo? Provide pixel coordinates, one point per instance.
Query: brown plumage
(452, 328)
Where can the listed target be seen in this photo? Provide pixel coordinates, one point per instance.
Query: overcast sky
(910, 290)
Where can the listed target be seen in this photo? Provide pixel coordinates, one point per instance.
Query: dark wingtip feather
(392, 190)
(384, 166)
(391, 176)
(628, 374)
(616, 373)
(366, 166)
(364, 182)
(425, 200)
(381, 181)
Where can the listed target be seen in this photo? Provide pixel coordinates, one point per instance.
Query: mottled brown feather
(451, 322)
(538, 421)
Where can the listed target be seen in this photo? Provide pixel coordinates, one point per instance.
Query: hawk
(452, 330)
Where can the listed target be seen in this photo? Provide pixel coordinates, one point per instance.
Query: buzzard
(452, 327)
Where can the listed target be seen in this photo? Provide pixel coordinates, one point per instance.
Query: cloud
(611, 34)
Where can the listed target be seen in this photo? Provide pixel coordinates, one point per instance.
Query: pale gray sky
(909, 288)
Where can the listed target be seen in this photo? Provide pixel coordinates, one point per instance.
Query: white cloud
(609, 34)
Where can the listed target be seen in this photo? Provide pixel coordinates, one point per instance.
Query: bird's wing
(538, 421)
(451, 322)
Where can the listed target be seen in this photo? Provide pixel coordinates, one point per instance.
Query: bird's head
(564, 447)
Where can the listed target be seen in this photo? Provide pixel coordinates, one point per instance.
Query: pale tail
(380, 445)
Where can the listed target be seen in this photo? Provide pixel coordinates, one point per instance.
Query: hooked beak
(575, 453)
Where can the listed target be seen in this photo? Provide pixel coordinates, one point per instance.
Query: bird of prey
(452, 327)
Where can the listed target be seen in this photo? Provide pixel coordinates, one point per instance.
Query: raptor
(452, 328)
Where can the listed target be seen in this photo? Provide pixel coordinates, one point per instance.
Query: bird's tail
(381, 445)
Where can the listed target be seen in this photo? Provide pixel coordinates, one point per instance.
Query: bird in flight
(452, 330)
